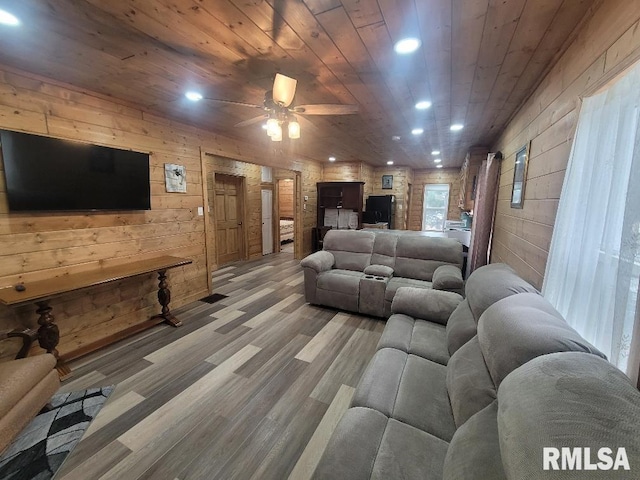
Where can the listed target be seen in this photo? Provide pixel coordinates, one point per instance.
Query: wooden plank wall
(34, 246)
(372, 176)
(311, 175)
(43, 245)
(608, 42)
(430, 176)
(400, 183)
(285, 195)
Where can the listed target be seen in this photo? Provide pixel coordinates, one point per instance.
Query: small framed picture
(175, 177)
(519, 176)
(387, 182)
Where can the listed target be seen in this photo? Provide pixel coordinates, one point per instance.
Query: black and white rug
(38, 452)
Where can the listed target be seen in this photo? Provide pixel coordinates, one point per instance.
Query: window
(594, 262)
(436, 205)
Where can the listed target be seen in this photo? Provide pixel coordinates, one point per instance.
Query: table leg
(164, 297)
(49, 336)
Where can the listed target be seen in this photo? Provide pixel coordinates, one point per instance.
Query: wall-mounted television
(49, 174)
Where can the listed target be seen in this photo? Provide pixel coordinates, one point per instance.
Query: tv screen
(48, 174)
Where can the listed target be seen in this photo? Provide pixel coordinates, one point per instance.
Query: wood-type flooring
(250, 387)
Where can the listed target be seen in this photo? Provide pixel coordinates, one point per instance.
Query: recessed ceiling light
(7, 18)
(332, 159)
(396, 138)
(423, 105)
(193, 96)
(439, 166)
(437, 160)
(407, 45)
(456, 127)
(390, 162)
(417, 131)
(435, 152)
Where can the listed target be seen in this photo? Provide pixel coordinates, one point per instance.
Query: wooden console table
(42, 291)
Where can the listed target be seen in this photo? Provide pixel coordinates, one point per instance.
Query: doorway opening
(286, 214)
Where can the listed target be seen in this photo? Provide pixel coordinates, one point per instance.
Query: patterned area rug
(38, 452)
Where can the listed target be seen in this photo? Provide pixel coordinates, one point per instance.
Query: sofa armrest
(27, 335)
(379, 271)
(318, 261)
(448, 277)
(427, 304)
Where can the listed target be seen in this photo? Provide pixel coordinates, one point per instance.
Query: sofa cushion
(418, 257)
(344, 281)
(353, 447)
(402, 386)
(519, 328)
(384, 249)
(469, 384)
(461, 327)
(567, 399)
(407, 452)
(474, 452)
(490, 283)
(351, 249)
(369, 445)
(415, 336)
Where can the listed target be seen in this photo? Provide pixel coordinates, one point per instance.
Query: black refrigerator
(382, 208)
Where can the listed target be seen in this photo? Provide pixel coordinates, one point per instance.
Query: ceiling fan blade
(284, 89)
(326, 109)
(251, 121)
(231, 102)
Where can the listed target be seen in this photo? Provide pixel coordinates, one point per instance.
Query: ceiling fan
(279, 110)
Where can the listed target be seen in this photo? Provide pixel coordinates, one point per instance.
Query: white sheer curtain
(594, 260)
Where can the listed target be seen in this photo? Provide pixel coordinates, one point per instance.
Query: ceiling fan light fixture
(284, 89)
(194, 96)
(417, 131)
(277, 135)
(294, 129)
(272, 127)
(407, 45)
(9, 19)
(423, 105)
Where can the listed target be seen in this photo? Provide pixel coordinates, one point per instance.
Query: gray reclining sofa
(437, 403)
(361, 271)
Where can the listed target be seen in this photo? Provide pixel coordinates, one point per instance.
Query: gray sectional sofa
(480, 394)
(361, 271)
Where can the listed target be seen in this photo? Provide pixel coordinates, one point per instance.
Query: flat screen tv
(48, 174)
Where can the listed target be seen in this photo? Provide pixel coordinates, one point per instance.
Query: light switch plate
(306, 198)
(200, 211)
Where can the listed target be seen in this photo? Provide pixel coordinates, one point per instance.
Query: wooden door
(229, 218)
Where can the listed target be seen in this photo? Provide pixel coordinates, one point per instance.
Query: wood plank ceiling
(478, 61)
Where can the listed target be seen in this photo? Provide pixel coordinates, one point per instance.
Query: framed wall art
(387, 182)
(175, 177)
